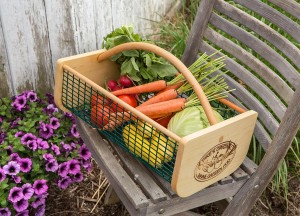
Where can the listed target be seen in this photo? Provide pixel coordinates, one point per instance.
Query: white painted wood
(37, 33)
(5, 78)
(27, 44)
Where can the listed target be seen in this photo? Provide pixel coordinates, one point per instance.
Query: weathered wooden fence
(35, 33)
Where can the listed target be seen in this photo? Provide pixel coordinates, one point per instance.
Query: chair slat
(272, 15)
(239, 175)
(197, 30)
(226, 180)
(289, 6)
(259, 131)
(111, 168)
(283, 44)
(281, 64)
(140, 174)
(264, 115)
(249, 166)
(243, 74)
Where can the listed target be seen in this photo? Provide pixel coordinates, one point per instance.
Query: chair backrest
(263, 57)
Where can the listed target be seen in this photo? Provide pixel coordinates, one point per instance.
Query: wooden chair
(143, 192)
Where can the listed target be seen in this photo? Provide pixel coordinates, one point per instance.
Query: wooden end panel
(87, 65)
(209, 155)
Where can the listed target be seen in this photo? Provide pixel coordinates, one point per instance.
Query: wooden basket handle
(174, 61)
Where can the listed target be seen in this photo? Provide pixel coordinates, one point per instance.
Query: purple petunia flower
(1, 120)
(84, 152)
(74, 166)
(15, 194)
(23, 213)
(27, 191)
(40, 211)
(32, 96)
(54, 123)
(73, 145)
(50, 98)
(9, 150)
(74, 131)
(42, 144)
(63, 169)
(55, 148)
(2, 137)
(19, 103)
(12, 168)
(45, 131)
(66, 147)
(70, 116)
(27, 137)
(51, 108)
(21, 205)
(40, 186)
(14, 157)
(48, 157)
(87, 165)
(64, 183)
(2, 175)
(38, 201)
(78, 177)
(32, 145)
(25, 164)
(15, 123)
(5, 212)
(19, 134)
(17, 179)
(51, 166)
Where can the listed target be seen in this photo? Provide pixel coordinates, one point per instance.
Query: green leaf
(131, 53)
(164, 70)
(134, 64)
(148, 60)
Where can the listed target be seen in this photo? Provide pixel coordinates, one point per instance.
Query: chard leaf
(164, 70)
(131, 53)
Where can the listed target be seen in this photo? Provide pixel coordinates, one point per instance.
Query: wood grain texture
(290, 6)
(276, 60)
(60, 29)
(254, 187)
(200, 23)
(274, 16)
(246, 76)
(27, 44)
(244, 95)
(112, 169)
(6, 87)
(211, 154)
(140, 174)
(283, 44)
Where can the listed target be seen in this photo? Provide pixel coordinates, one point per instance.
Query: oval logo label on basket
(215, 161)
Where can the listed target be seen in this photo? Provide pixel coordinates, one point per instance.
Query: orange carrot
(165, 96)
(174, 86)
(164, 107)
(148, 87)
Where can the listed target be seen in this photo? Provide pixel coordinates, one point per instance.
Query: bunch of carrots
(167, 98)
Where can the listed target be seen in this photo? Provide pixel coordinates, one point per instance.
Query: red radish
(117, 88)
(125, 81)
(112, 84)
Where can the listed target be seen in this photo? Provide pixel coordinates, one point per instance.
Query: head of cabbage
(190, 120)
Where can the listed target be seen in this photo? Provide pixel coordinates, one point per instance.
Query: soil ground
(87, 198)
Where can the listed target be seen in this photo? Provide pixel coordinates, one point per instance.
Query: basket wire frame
(150, 146)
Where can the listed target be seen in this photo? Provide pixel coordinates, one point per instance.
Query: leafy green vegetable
(141, 66)
(190, 120)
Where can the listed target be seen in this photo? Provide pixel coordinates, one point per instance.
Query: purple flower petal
(23, 213)
(19, 134)
(27, 137)
(32, 145)
(63, 169)
(21, 205)
(40, 211)
(74, 166)
(5, 212)
(54, 123)
(14, 157)
(25, 164)
(2, 175)
(17, 179)
(12, 168)
(55, 148)
(48, 157)
(40, 186)
(15, 123)
(19, 103)
(42, 144)
(15, 194)
(74, 131)
(64, 183)
(45, 131)
(51, 166)
(78, 177)
(38, 202)
(32, 96)
(2, 137)
(84, 152)
(27, 191)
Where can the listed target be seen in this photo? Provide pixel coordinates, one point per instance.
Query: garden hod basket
(190, 163)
